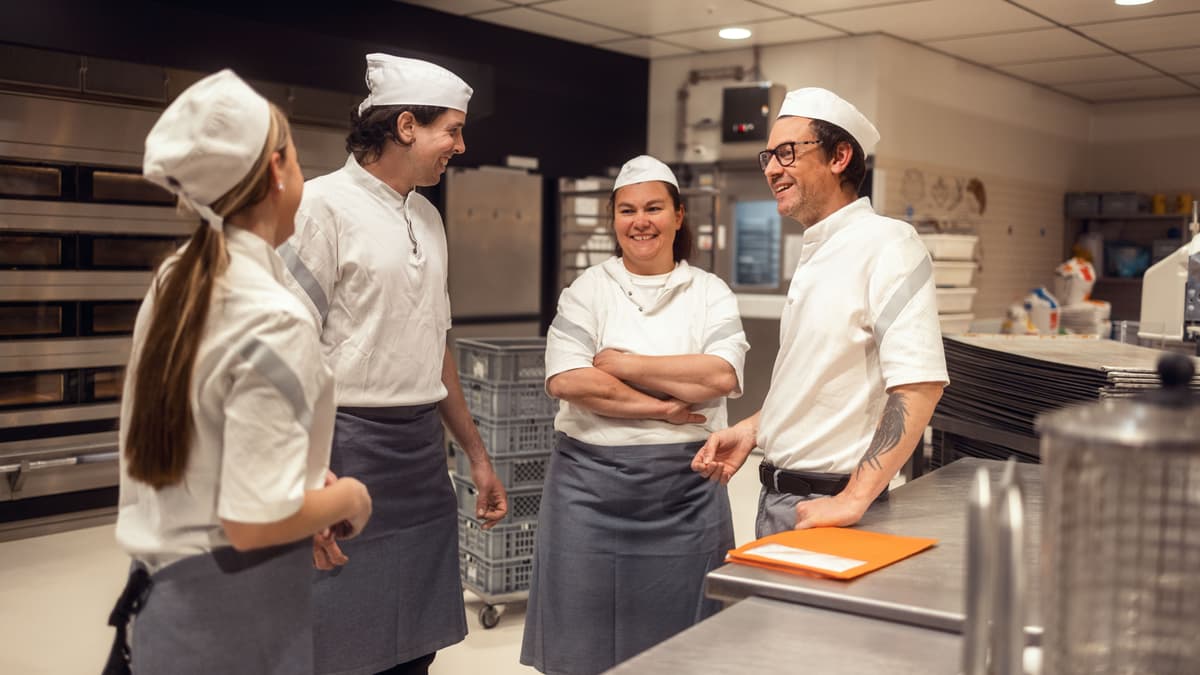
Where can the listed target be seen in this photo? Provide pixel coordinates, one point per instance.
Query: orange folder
(834, 552)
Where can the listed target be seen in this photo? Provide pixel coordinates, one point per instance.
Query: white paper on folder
(799, 556)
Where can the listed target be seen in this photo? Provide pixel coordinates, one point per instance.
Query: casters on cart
(489, 616)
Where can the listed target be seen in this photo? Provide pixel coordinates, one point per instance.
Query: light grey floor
(56, 592)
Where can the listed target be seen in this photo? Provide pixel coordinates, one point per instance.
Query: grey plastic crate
(502, 542)
(495, 577)
(503, 359)
(515, 472)
(516, 436)
(523, 503)
(495, 401)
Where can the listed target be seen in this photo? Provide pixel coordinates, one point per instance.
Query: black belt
(805, 483)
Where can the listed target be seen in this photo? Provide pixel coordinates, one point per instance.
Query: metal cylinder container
(1121, 532)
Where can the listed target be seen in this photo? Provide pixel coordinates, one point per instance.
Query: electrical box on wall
(746, 116)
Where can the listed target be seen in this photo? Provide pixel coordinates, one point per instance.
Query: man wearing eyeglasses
(860, 365)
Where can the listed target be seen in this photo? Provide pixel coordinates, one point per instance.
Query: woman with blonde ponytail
(227, 415)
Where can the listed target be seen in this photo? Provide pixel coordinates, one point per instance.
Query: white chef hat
(816, 103)
(394, 80)
(644, 168)
(207, 141)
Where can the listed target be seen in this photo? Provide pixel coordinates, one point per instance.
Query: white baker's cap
(394, 80)
(644, 168)
(207, 141)
(816, 103)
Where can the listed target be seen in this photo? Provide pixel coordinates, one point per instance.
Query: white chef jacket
(695, 313)
(262, 403)
(860, 318)
(383, 309)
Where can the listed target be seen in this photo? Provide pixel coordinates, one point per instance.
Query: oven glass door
(125, 253)
(20, 390)
(109, 318)
(36, 320)
(36, 250)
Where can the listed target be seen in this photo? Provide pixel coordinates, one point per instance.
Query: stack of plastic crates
(503, 381)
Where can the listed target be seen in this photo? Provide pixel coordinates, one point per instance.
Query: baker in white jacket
(643, 353)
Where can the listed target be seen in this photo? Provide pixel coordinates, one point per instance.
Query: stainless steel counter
(766, 636)
(925, 590)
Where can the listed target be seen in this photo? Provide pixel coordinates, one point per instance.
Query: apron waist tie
(132, 599)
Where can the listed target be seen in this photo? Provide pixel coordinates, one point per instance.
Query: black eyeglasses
(784, 152)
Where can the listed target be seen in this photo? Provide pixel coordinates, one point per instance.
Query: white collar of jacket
(838, 220)
(680, 277)
(255, 248)
(370, 183)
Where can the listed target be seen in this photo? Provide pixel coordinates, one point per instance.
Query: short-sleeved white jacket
(695, 313)
(262, 403)
(860, 318)
(383, 309)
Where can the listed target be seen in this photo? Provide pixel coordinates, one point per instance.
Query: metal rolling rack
(585, 232)
(502, 381)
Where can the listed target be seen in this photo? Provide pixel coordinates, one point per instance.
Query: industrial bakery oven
(78, 246)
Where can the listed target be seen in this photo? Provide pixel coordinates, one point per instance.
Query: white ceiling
(1093, 50)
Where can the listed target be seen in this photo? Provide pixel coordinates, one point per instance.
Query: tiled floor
(56, 592)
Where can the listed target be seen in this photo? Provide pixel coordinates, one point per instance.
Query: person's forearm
(750, 424)
(603, 394)
(455, 414)
(688, 377)
(905, 416)
(321, 509)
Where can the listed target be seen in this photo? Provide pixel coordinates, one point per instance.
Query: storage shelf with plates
(953, 271)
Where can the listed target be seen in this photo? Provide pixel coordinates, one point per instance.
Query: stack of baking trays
(503, 381)
(1004, 382)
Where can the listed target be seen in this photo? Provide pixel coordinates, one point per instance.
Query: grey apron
(222, 612)
(625, 536)
(399, 597)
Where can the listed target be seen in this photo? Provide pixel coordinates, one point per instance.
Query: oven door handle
(17, 472)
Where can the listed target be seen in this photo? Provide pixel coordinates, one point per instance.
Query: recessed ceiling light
(1134, 2)
(734, 33)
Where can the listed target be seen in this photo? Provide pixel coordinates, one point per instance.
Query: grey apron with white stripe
(625, 536)
(228, 612)
(400, 596)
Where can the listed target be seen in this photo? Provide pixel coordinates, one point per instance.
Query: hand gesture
(836, 511)
(723, 454)
(610, 361)
(680, 412)
(492, 502)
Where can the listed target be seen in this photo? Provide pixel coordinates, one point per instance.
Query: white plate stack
(953, 271)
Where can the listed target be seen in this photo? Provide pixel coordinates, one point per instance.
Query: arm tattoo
(888, 434)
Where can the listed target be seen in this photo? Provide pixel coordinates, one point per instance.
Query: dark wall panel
(577, 108)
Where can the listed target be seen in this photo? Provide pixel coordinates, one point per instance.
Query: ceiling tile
(936, 19)
(1174, 60)
(653, 17)
(533, 21)
(460, 6)
(812, 6)
(645, 48)
(1194, 79)
(1033, 45)
(1164, 32)
(1073, 12)
(1121, 90)
(1114, 67)
(774, 31)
